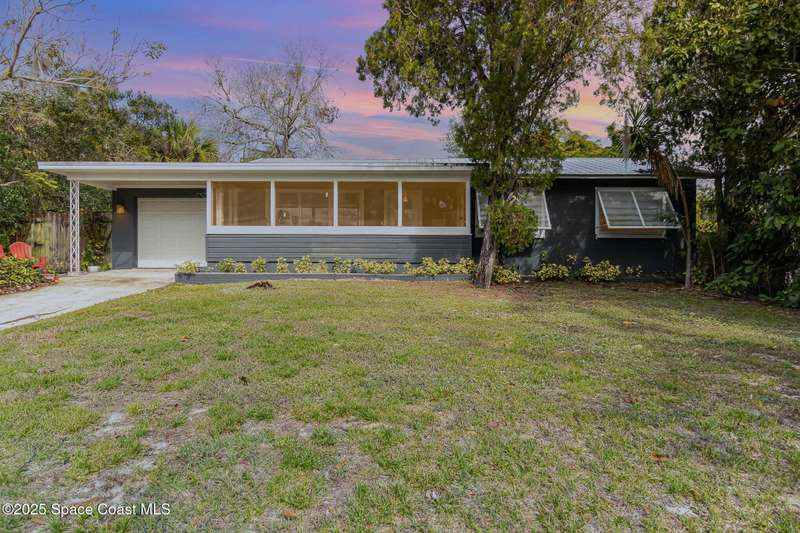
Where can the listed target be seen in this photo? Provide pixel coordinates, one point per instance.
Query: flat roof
(118, 174)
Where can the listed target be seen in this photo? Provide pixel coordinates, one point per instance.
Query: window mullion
(335, 202)
(638, 211)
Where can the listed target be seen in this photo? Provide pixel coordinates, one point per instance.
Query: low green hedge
(16, 272)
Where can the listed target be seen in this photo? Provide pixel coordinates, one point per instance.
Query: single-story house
(167, 213)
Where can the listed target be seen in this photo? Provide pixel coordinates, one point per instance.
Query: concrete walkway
(77, 292)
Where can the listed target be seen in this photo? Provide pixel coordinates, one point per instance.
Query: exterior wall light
(119, 209)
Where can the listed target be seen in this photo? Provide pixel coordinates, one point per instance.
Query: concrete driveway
(77, 292)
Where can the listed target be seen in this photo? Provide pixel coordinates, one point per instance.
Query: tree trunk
(485, 270)
(722, 231)
(687, 235)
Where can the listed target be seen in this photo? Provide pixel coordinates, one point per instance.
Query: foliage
(188, 267)
(577, 144)
(375, 267)
(514, 226)
(729, 284)
(633, 271)
(552, 271)
(320, 267)
(183, 141)
(507, 67)
(342, 266)
(15, 272)
(282, 266)
(230, 265)
(602, 271)
(274, 109)
(304, 265)
(259, 264)
(506, 276)
(721, 81)
(36, 50)
(429, 267)
(790, 296)
(69, 124)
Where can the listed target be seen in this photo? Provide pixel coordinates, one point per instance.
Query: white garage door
(171, 231)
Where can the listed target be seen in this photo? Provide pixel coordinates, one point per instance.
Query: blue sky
(238, 30)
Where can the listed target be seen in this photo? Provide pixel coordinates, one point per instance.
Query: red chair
(22, 250)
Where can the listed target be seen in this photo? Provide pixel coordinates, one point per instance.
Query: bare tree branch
(34, 50)
(274, 108)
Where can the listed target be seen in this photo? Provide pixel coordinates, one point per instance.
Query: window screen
(432, 204)
(241, 203)
(367, 203)
(636, 209)
(536, 201)
(304, 203)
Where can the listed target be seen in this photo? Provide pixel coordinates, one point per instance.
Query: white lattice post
(74, 227)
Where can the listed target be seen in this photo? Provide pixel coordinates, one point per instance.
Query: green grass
(370, 405)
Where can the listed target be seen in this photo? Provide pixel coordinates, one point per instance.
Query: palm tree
(183, 141)
(643, 144)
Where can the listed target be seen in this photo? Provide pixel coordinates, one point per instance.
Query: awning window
(533, 200)
(637, 208)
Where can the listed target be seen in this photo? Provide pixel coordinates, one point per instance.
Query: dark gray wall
(123, 227)
(397, 248)
(571, 202)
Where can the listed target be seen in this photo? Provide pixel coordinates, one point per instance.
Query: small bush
(552, 271)
(321, 267)
(17, 272)
(465, 265)
(230, 265)
(634, 271)
(342, 266)
(730, 284)
(513, 226)
(259, 264)
(602, 271)
(429, 267)
(188, 267)
(505, 276)
(375, 267)
(282, 266)
(304, 265)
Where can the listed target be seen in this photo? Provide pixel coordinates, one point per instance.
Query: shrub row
(587, 271)
(18, 272)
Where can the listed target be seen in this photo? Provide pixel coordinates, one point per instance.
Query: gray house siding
(571, 202)
(397, 248)
(124, 227)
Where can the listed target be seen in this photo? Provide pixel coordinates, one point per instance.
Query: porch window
(367, 203)
(241, 203)
(633, 212)
(434, 204)
(304, 203)
(533, 200)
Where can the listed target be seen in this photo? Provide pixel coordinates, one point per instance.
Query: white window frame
(541, 231)
(659, 232)
(399, 229)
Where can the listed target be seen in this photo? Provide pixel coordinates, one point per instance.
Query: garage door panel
(170, 231)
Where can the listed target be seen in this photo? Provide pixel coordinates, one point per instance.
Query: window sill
(335, 230)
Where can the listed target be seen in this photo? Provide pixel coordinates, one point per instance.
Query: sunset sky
(196, 31)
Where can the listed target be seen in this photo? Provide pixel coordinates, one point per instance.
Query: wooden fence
(49, 236)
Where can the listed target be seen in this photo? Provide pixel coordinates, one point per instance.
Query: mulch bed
(24, 288)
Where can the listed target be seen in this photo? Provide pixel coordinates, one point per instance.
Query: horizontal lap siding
(397, 248)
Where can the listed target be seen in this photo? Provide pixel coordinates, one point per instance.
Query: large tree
(722, 83)
(274, 108)
(507, 67)
(36, 49)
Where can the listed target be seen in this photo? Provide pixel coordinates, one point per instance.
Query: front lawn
(359, 405)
